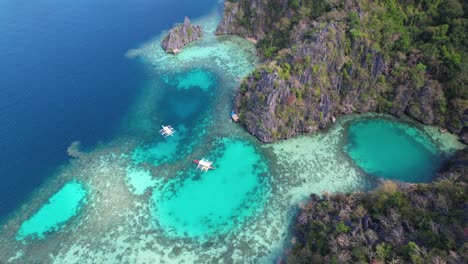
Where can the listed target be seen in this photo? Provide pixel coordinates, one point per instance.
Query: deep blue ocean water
(64, 77)
(141, 191)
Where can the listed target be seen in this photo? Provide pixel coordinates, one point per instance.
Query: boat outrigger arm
(167, 131)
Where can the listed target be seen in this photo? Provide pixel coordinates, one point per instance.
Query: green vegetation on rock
(416, 223)
(398, 57)
(324, 58)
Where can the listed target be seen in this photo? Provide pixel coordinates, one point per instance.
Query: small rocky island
(180, 36)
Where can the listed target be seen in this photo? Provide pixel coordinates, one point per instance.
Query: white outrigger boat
(204, 164)
(167, 131)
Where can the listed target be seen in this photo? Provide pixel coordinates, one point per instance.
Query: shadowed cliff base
(409, 223)
(322, 59)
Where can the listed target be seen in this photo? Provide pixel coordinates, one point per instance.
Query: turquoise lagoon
(148, 204)
(54, 214)
(393, 150)
(214, 202)
(195, 78)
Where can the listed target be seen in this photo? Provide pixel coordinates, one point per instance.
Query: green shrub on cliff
(334, 57)
(423, 223)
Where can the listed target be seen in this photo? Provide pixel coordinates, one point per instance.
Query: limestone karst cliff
(180, 36)
(394, 223)
(323, 58)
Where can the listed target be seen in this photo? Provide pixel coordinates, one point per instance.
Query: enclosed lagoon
(148, 204)
(195, 78)
(140, 180)
(393, 150)
(54, 214)
(217, 201)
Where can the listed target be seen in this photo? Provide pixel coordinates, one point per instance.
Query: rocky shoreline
(180, 36)
(395, 223)
(331, 62)
(322, 59)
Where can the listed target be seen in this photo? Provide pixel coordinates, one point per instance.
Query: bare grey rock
(180, 36)
(325, 72)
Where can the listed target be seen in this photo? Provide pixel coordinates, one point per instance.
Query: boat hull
(197, 161)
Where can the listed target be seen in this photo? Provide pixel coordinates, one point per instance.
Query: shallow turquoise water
(184, 107)
(60, 208)
(150, 205)
(216, 201)
(195, 78)
(140, 180)
(393, 150)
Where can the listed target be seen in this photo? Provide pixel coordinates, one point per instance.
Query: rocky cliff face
(307, 90)
(251, 18)
(329, 66)
(180, 36)
(354, 228)
(238, 19)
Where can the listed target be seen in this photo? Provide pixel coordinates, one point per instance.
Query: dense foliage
(431, 32)
(323, 58)
(343, 56)
(424, 223)
(424, 40)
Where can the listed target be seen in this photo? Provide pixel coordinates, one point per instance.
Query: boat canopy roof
(205, 163)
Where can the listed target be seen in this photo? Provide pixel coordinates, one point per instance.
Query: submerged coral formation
(146, 203)
(324, 58)
(218, 201)
(59, 209)
(420, 223)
